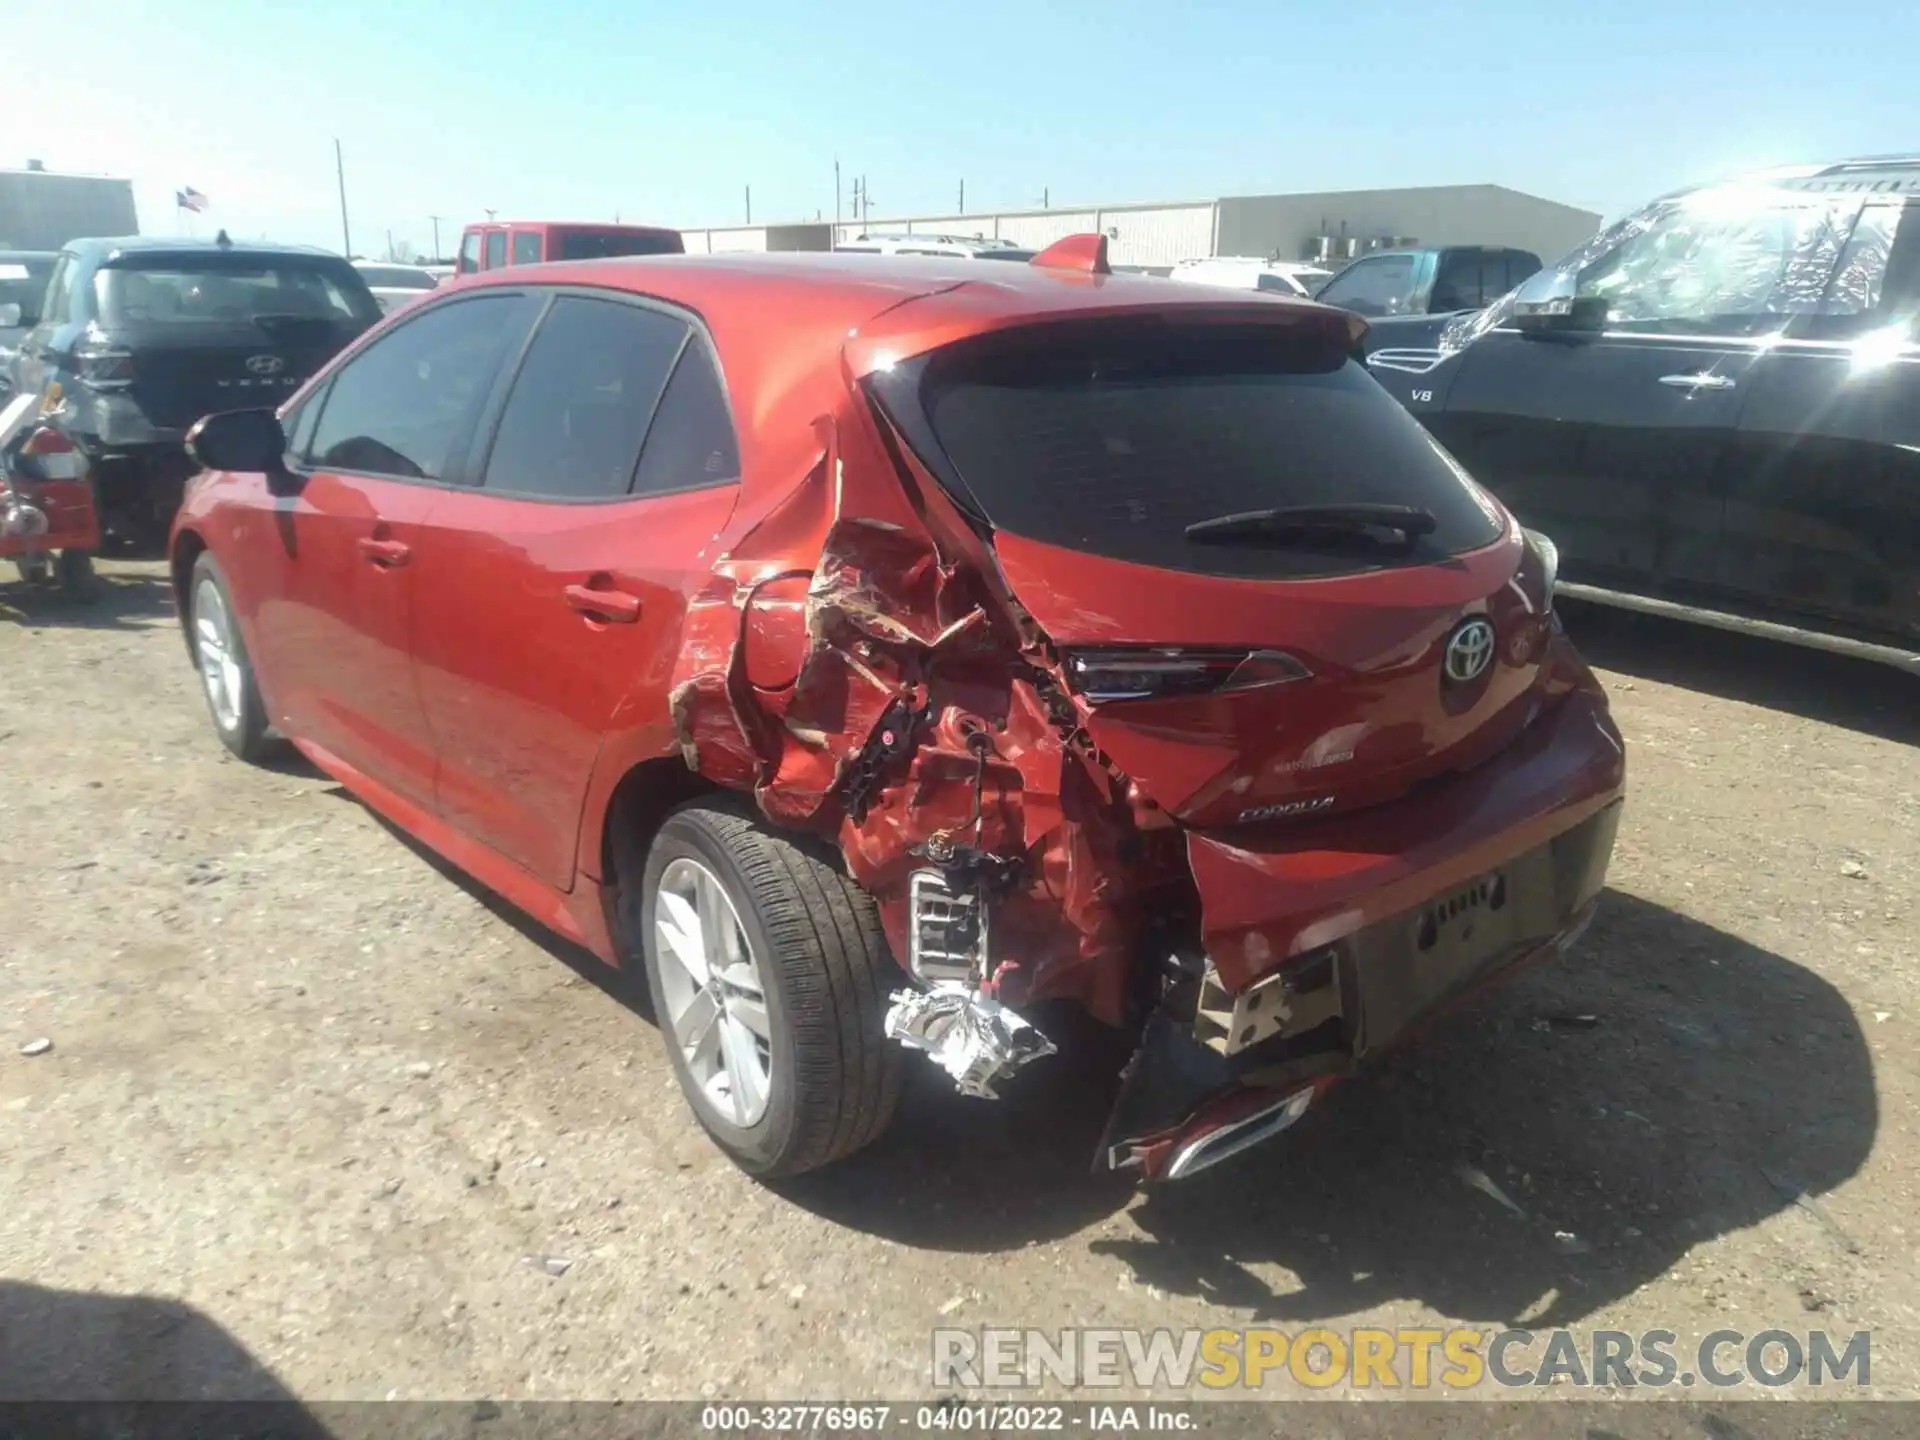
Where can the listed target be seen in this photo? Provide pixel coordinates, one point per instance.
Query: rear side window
(407, 404)
(610, 244)
(526, 247)
(691, 442)
(1112, 436)
(581, 404)
(59, 298)
(496, 249)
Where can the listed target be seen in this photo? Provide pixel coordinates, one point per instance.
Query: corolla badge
(1469, 650)
(265, 364)
(1286, 809)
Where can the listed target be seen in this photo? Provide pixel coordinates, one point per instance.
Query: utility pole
(749, 204)
(866, 199)
(836, 190)
(963, 198)
(340, 171)
(390, 254)
(436, 237)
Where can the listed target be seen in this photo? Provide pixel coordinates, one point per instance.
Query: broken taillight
(1107, 675)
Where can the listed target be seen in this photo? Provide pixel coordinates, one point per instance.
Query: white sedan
(395, 286)
(1241, 272)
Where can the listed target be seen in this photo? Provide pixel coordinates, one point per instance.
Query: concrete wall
(43, 211)
(1138, 236)
(743, 239)
(1436, 215)
(1156, 237)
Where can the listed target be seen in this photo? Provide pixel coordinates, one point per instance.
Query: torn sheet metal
(856, 662)
(973, 1037)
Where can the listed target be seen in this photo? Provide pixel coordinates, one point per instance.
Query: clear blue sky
(585, 108)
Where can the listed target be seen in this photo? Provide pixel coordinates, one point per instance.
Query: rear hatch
(192, 332)
(1371, 619)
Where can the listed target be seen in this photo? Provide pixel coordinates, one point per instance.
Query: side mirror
(245, 440)
(11, 316)
(1548, 302)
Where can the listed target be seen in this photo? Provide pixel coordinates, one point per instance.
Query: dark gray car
(145, 335)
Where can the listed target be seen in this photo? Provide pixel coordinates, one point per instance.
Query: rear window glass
(1112, 436)
(608, 245)
(186, 291)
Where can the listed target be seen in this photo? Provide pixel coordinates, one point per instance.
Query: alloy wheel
(213, 646)
(716, 997)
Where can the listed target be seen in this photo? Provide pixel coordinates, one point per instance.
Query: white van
(1246, 272)
(967, 246)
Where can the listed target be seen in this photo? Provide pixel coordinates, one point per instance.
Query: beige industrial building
(1329, 227)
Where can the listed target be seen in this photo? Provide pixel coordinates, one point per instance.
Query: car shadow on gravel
(69, 1345)
(1664, 1084)
(122, 600)
(1855, 694)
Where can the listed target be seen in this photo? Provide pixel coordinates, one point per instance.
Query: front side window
(298, 424)
(526, 247)
(221, 290)
(1112, 436)
(1381, 286)
(496, 249)
(470, 253)
(1730, 261)
(580, 406)
(406, 405)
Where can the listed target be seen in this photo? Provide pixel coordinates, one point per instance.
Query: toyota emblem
(265, 364)
(1469, 650)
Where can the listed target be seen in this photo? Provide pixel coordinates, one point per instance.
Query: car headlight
(1548, 554)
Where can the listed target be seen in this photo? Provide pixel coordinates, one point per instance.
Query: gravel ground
(316, 1110)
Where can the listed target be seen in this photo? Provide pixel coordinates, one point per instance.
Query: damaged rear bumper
(1329, 944)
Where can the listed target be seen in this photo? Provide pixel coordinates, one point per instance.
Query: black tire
(76, 575)
(827, 972)
(246, 733)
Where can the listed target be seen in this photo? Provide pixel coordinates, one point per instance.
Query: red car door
(559, 580)
(332, 573)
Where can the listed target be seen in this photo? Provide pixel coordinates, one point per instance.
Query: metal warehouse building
(1329, 227)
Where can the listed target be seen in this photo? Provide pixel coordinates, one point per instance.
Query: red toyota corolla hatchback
(876, 649)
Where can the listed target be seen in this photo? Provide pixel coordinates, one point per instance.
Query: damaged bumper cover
(1310, 969)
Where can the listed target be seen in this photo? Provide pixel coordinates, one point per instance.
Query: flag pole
(340, 171)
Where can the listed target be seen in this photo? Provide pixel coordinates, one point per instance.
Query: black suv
(1713, 407)
(144, 336)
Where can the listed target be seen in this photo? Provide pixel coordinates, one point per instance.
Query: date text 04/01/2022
(857, 1419)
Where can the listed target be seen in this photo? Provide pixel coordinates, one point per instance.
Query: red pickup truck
(499, 243)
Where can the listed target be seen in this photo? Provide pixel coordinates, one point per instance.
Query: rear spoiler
(1086, 253)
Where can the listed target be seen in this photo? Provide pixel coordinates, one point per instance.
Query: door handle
(385, 553)
(595, 603)
(1705, 381)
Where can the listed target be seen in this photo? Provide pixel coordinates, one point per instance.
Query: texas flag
(190, 199)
